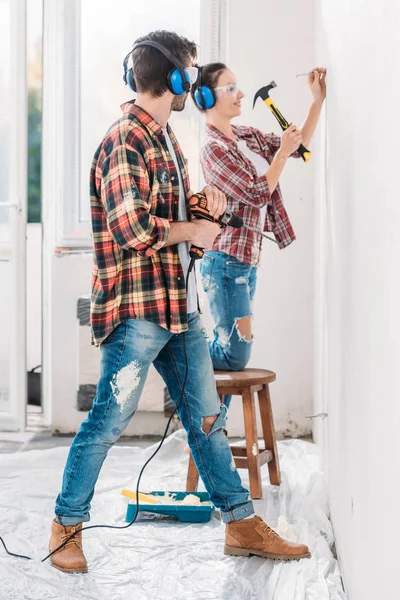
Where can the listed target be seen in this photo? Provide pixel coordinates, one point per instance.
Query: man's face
(178, 102)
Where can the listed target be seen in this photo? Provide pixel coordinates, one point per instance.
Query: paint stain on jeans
(125, 382)
(240, 280)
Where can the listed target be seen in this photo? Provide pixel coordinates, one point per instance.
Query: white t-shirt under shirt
(261, 165)
(183, 247)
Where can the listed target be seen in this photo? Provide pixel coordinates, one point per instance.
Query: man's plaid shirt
(134, 189)
(234, 174)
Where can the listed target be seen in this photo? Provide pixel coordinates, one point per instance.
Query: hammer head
(263, 92)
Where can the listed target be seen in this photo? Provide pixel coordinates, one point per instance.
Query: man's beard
(178, 102)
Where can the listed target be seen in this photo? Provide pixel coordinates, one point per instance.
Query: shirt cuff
(163, 227)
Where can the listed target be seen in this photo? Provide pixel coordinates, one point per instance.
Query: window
(34, 74)
(84, 82)
(108, 31)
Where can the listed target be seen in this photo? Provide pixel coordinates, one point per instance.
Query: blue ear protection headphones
(204, 95)
(178, 80)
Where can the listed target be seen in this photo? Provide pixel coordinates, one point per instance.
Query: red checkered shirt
(234, 174)
(134, 189)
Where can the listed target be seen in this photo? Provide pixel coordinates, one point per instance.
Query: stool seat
(243, 378)
(246, 384)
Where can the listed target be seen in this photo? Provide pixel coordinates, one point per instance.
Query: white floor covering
(158, 558)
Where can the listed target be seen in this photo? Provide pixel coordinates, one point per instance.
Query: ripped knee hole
(208, 423)
(243, 326)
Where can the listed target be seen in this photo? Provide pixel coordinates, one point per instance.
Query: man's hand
(291, 140)
(317, 83)
(203, 233)
(216, 201)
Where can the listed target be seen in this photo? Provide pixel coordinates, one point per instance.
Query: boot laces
(270, 532)
(73, 540)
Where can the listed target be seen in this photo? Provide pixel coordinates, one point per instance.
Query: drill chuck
(229, 218)
(198, 208)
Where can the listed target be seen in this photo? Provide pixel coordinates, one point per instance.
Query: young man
(140, 312)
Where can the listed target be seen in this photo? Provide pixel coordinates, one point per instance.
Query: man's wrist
(191, 230)
(180, 231)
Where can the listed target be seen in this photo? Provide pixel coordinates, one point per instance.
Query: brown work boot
(70, 558)
(253, 536)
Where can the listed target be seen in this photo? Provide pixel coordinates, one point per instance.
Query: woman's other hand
(317, 83)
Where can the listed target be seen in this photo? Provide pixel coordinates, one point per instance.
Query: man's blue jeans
(126, 357)
(230, 286)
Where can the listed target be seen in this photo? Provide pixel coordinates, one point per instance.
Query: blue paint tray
(184, 513)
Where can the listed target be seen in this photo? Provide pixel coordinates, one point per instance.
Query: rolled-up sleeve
(270, 142)
(229, 176)
(125, 196)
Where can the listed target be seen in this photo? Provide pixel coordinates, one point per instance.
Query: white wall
(359, 304)
(275, 41)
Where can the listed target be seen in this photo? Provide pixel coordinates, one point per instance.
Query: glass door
(13, 183)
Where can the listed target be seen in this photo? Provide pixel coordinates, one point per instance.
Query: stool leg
(267, 422)
(192, 480)
(253, 457)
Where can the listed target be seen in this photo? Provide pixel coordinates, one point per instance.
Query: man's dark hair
(209, 76)
(151, 67)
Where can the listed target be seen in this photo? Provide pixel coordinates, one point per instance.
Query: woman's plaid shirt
(234, 174)
(134, 189)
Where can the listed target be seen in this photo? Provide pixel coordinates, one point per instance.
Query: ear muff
(128, 74)
(176, 84)
(178, 80)
(204, 96)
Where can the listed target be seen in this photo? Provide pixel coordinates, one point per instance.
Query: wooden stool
(245, 383)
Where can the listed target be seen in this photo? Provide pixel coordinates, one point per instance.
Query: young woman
(245, 164)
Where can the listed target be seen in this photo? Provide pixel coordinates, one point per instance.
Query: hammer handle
(304, 153)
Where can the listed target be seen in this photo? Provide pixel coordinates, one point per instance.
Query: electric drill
(198, 208)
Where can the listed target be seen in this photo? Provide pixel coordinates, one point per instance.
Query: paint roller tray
(186, 513)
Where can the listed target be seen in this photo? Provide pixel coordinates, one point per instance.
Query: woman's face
(228, 95)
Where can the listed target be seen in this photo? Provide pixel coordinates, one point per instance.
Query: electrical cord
(142, 469)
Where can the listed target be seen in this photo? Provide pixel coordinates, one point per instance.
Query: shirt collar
(142, 116)
(216, 134)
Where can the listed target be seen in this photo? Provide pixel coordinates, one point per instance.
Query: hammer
(264, 94)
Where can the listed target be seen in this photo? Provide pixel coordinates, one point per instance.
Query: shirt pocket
(161, 195)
